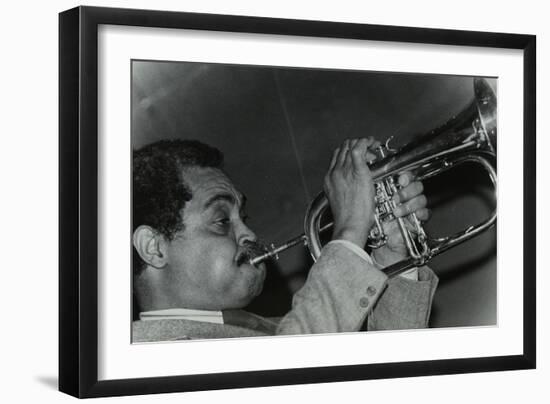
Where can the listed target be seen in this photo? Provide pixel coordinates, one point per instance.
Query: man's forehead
(208, 182)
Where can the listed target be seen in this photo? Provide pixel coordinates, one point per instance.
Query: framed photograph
(251, 201)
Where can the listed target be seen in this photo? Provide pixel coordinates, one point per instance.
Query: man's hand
(409, 199)
(350, 191)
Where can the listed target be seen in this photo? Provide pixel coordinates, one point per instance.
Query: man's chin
(251, 283)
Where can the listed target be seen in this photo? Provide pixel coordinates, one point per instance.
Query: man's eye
(223, 222)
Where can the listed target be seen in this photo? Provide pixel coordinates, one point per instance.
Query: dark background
(278, 127)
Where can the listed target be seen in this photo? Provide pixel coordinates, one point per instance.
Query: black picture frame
(78, 206)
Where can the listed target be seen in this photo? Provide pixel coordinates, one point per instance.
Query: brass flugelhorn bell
(469, 137)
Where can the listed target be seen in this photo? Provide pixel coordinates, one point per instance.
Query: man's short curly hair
(159, 189)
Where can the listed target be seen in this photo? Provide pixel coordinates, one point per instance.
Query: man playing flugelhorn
(192, 251)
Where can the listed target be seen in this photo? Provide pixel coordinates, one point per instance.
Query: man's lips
(251, 249)
(242, 258)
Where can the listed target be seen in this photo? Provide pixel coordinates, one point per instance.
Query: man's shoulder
(179, 329)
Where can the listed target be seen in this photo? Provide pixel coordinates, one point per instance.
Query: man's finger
(358, 155)
(423, 214)
(372, 142)
(334, 159)
(375, 144)
(410, 191)
(370, 157)
(353, 145)
(411, 206)
(405, 178)
(343, 153)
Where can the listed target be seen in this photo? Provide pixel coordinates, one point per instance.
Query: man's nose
(244, 233)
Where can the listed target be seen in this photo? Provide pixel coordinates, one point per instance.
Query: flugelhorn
(469, 137)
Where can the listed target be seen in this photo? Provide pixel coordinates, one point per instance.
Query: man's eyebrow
(227, 197)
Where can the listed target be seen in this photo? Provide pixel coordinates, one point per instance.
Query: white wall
(28, 167)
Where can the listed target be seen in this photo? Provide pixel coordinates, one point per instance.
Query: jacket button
(371, 291)
(364, 302)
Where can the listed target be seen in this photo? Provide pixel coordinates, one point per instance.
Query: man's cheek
(223, 247)
(223, 272)
(223, 259)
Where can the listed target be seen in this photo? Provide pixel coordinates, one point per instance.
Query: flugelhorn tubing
(442, 245)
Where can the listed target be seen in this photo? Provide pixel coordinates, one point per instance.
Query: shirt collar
(206, 316)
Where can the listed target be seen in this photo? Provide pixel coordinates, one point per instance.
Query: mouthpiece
(274, 251)
(264, 257)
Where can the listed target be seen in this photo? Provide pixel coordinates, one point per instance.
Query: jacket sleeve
(346, 293)
(405, 304)
(341, 289)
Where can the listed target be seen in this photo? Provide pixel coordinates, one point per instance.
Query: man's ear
(150, 246)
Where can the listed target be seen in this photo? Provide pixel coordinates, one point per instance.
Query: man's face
(202, 258)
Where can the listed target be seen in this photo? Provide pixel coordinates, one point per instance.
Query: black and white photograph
(276, 201)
